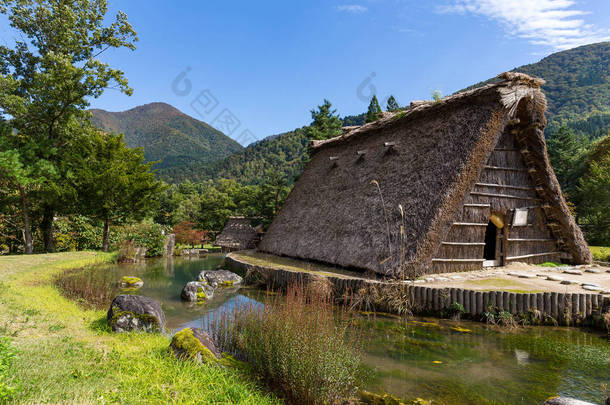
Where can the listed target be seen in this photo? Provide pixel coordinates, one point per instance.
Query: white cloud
(554, 23)
(352, 8)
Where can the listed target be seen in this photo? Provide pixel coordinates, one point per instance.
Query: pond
(446, 361)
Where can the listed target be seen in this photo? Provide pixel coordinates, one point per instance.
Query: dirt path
(521, 277)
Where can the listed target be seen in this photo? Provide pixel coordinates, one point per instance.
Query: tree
(374, 111)
(326, 123)
(186, 234)
(392, 104)
(47, 78)
(16, 173)
(566, 151)
(271, 196)
(113, 181)
(593, 194)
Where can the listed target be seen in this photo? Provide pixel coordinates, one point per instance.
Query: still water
(448, 362)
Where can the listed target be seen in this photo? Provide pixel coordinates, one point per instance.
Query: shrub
(150, 236)
(455, 311)
(297, 344)
(7, 356)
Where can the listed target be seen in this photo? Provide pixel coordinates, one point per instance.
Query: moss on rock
(185, 345)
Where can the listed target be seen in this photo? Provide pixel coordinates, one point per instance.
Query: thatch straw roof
(237, 234)
(425, 159)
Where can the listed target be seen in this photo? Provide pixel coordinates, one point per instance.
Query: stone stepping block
(594, 271)
(591, 288)
(442, 279)
(554, 278)
(591, 284)
(541, 275)
(568, 282)
(457, 277)
(527, 275)
(573, 272)
(605, 292)
(514, 274)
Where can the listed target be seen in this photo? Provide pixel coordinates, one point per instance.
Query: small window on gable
(520, 218)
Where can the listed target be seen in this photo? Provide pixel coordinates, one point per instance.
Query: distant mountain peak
(167, 134)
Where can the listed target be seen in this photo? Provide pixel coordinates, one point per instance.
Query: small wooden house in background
(443, 186)
(238, 234)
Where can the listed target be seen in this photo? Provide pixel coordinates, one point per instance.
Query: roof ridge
(515, 86)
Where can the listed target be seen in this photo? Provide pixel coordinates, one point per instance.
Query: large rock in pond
(196, 291)
(135, 313)
(219, 278)
(194, 343)
(565, 401)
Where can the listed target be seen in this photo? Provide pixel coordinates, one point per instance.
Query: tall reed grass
(299, 343)
(92, 287)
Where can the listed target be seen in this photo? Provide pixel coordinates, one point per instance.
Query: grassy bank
(66, 354)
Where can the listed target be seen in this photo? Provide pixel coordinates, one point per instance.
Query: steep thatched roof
(237, 234)
(425, 160)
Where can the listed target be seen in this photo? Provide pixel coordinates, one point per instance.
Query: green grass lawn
(66, 354)
(601, 253)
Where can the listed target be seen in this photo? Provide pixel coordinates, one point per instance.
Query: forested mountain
(284, 153)
(577, 88)
(168, 135)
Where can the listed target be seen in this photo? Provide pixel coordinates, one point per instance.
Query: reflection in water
(448, 362)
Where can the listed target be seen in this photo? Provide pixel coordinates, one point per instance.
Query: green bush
(297, 345)
(7, 355)
(147, 235)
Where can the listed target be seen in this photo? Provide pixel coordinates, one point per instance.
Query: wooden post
(575, 307)
(595, 304)
(467, 301)
(540, 302)
(479, 302)
(473, 302)
(460, 297)
(513, 303)
(435, 298)
(452, 296)
(583, 305)
(547, 303)
(505, 301)
(554, 302)
(485, 301)
(492, 298)
(520, 299)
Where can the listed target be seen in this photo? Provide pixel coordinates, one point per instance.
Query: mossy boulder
(195, 344)
(135, 313)
(195, 291)
(219, 278)
(131, 282)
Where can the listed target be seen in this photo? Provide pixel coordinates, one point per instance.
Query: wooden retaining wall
(563, 308)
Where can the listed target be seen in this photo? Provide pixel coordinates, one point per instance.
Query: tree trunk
(27, 229)
(105, 236)
(47, 229)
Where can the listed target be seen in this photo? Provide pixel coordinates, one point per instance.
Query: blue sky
(269, 62)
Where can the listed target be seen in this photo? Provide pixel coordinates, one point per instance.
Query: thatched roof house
(467, 178)
(238, 234)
